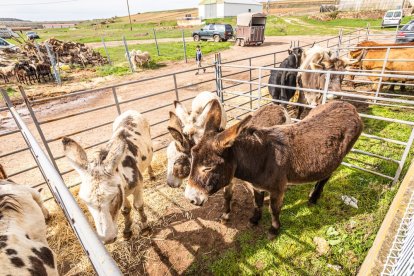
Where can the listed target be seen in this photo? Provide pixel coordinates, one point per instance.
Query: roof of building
(250, 2)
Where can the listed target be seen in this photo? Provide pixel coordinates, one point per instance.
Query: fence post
(326, 86)
(221, 79)
(118, 108)
(176, 87)
(216, 70)
(128, 56)
(38, 128)
(367, 32)
(185, 47)
(404, 157)
(259, 89)
(53, 62)
(156, 42)
(250, 83)
(106, 51)
(382, 73)
(38, 51)
(274, 60)
(339, 42)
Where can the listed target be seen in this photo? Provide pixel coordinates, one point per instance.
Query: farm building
(358, 5)
(224, 8)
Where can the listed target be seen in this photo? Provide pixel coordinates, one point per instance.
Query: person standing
(199, 57)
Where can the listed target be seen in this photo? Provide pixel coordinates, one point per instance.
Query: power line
(42, 3)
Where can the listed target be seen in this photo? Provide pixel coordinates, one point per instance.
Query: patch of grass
(168, 52)
(10, 91)
(112, 70)
(349, 231)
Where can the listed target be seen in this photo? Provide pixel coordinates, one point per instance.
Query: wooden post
(156, 42)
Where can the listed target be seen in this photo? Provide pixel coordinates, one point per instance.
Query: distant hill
(11, 19)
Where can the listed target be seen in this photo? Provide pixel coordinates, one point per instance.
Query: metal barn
(225, 8)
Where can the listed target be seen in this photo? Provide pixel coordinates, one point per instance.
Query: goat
(269, 158)
(114, 173)
(7, 72)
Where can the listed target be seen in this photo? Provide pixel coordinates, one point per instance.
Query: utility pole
(129, 14)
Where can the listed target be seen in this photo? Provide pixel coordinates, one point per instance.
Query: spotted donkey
(114, 173)
(23, 246)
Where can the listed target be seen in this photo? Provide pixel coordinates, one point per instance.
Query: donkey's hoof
(224, 218)
(273, 232)
(255, 219)
(127, 234)
(312, 201)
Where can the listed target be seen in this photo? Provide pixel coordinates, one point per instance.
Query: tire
(196, 38)
(242, 43)
(237, 43)
(224, 40)
(216, 38)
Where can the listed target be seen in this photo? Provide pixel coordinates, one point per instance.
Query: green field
(349, 232)
(276, 26)
(168, 52)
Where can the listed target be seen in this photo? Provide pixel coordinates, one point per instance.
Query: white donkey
(187, 128)
(23, 246)
(114, 173)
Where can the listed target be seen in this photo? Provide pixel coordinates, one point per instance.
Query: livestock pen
(183, 237)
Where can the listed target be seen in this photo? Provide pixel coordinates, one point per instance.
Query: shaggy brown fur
(269, 158)
(267, 116)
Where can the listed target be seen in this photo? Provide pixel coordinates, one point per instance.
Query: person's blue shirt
(198, 55)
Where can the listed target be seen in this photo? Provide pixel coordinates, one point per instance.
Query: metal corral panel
(357, 5)
(400, 260)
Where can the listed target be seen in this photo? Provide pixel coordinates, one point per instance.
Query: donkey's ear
(316, 66)
(116, 150)
(226, 138)
(181, 111)
(75, 154)
(175, 128)
(213, 120)
(289, 51)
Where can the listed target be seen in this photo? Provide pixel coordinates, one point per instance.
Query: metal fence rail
(100, 259)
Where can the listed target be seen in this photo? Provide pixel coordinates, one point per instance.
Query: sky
(46, 10)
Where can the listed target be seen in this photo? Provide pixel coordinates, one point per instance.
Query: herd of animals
(266, 150)
(30, 72)
(27, 72)
(367, 55)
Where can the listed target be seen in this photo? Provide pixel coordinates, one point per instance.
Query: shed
(359, 5)
(225, 8)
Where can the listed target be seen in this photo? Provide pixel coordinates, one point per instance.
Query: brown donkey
(269, 158)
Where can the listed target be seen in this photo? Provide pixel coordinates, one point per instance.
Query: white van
(392, 18)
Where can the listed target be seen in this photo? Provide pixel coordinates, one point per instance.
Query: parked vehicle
(392, 18)
(217, 32)
(4, 44)
(406, 34)
(32, 35)
(250, 29)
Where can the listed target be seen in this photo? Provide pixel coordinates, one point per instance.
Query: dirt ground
(181, 234)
